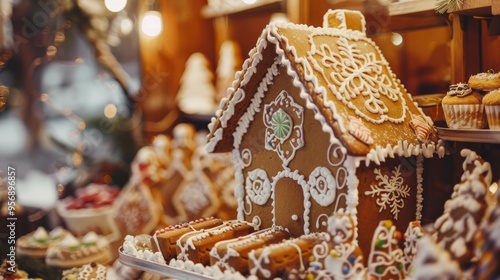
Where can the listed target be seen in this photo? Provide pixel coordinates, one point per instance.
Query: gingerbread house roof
(343, 76)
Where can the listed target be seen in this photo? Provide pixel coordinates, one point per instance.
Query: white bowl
(82, 221)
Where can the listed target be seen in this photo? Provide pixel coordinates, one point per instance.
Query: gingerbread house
(317, 122)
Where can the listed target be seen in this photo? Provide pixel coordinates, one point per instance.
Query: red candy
(92, 196)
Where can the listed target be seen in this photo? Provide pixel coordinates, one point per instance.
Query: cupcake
(491, 102)
(487, 81)
(463, 108)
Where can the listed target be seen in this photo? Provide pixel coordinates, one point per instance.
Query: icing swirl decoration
(258, 186)
(283, 119)
(336, 154)
(459, 89)
(323, 186)
(246, 157)
(341, 226)
(358, 79)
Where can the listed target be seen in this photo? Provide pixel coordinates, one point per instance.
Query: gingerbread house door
(289, 205)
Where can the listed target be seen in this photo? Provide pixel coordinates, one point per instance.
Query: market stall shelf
(160, 269)
(469, 135)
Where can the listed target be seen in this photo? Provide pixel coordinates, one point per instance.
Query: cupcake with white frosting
(491, 102)
(463, 108)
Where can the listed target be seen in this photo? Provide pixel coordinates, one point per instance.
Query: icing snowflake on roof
(357, 79)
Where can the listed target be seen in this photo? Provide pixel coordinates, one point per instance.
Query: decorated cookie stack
(90, 271)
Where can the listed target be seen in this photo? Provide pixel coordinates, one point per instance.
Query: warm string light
(115, 5)
(152, 22)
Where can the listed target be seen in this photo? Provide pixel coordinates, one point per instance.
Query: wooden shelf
(480, 8)
(414, 14)
(412, 7)
(259, 6)
(417, 8)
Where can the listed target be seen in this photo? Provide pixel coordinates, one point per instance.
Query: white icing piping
(270, 34)
(297, 82)
(297, 177)
(234, 243)
(255, 56)
(352, 201)
(239, 191)
(403, 149)
(263, 258)
(254, 106)
(420, 190)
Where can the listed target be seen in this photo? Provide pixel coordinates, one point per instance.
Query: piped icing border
(271, 35)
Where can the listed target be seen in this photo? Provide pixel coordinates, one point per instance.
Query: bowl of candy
(90, 209)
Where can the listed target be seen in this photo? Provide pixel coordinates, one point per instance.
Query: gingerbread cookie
(386, 260)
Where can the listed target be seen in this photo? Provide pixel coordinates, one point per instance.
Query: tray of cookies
(160, 268)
